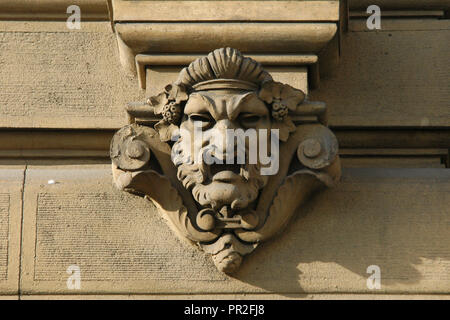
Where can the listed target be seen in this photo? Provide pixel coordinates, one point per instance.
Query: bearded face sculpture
(231, 157)
(220, 183)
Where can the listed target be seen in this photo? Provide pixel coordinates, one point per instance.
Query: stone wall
(63, 94)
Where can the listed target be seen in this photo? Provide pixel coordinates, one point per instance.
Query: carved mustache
(215, 162)
(207, 171)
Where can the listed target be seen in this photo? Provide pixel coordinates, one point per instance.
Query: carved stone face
(240, 166)
(218, 178)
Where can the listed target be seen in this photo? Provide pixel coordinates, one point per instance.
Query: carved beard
(197, 177)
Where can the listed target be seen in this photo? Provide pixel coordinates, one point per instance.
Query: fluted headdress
(223, 68)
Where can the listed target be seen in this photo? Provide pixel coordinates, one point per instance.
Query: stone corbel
(226, 206)
(275, 33)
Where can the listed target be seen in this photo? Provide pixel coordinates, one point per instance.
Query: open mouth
(225, 172)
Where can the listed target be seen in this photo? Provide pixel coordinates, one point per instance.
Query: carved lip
(225, 172)
(226, 176)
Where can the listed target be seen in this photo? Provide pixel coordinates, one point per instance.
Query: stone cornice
(277, 30)
(286, 11)
(143, 60)
(55, 10)
(400, 4)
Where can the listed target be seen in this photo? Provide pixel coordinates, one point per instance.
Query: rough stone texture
(392, 162)
(54, 77)
(112, 238)
(4, 233)
(80, 83)
(407, 60)
(119, 241)
(285, 11)
(52, 9)
(400, 4)
(11, 182)
(394, 218)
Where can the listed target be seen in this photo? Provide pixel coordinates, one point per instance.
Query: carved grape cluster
(281, 98)
(169, 105)
(172, 112)
(279, 110)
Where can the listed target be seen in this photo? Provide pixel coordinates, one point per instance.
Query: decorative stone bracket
(226, 205)
(275, 33)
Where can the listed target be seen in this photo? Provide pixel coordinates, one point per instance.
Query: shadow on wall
(400, 225)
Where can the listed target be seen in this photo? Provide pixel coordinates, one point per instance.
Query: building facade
(372, 74)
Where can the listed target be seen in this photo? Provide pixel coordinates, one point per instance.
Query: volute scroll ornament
(226, 154)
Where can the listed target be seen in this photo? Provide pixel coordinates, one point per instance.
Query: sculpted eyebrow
(249, 104)
(198, 103)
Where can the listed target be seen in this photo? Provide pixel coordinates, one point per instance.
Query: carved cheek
(210, 137)
(186, 142)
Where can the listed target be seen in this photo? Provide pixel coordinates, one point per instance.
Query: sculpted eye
(200, 117)
(249, 119)
(203, 118)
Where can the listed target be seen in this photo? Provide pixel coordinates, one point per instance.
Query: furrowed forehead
(228, 104)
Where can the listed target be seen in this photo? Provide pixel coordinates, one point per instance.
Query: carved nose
(219, 139)
(225, 124)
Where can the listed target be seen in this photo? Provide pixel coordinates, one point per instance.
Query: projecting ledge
(122, 244)
(276, 31)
